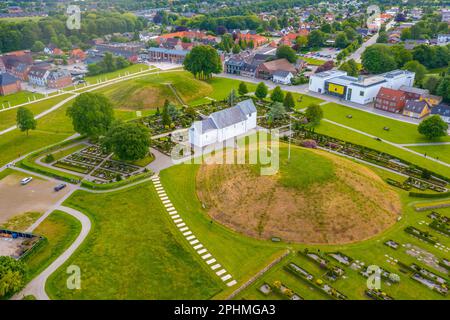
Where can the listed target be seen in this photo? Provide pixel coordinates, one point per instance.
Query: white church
(224, 124)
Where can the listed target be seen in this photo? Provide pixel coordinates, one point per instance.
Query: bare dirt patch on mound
(351, 204)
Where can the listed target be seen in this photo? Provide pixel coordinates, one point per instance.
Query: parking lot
(36, 196)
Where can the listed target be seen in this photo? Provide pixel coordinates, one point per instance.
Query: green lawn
(18, 98)
(303, 101)
(8, 117)
(400, 132)
(57, 155)
(112, 75)
(354, 137)
(442, 152)
(59, 230)
(313, 61)
(132, 252)
(241, 256)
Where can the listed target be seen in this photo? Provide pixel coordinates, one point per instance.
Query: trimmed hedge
(430, 195)
(117, 184)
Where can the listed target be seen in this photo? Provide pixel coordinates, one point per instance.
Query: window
(361, 93)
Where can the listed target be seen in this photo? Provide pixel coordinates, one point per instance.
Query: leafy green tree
(236, 49)
(378, 59)
(12, 276)
(406, 34)
(418, 68)
(38, 46)
(443, 88)
(261, 91)
(433, 127)
(301, 42)
(401, 54)
(382, 37)
(25, 120)
(289, 102)
(166, 119)
(277, 95)
(351, 67)
(316, 38)
(128, 140)
(242, 90)
(231, 99)
(431, 83)
(314, 114)
(341, 40)
(276, 111)
(202, 61)
(286, 52)
(92, 114)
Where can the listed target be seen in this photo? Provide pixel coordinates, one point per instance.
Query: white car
(26, 180)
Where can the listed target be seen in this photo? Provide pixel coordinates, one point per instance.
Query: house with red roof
(390, 100)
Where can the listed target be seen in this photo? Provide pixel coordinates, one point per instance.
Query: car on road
(26, 180)
(60, 187)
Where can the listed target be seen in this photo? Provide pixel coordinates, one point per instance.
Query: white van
(26, 180)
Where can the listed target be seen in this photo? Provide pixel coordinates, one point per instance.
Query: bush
(309, 143)
(49, 158)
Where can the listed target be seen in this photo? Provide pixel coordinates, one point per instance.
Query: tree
(92, 114)
(316, 38)
(38, 46)
(261, 91)
(351, 67)
(242, 90)
(401, 54)
(433, 127)
(202, 61)
(326, 66)
(276, 111)
(12, 276)
(418, 68)
(406, 34)
(25, 120)
(231, 98)
(277, 95)
(236, 49)
(286, 52)
(443, 88)
(382, 37)
(301, 42)
(341, 40)
(289, 102)
(378, 59)
(129, 141)
(431, 83)
(314, 114)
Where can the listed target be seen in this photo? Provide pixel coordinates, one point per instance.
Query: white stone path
(190, 237)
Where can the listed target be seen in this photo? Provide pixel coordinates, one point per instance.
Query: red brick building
(9, 84)
(390, 100)
(266, 70)
(59, 79)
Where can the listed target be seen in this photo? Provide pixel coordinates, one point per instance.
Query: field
(354, 137)
(332, 200)
(132, 252)
(59, 230)
(8, 117)
(399, 132)
(441, 152)
(18, 98)
(313, 61)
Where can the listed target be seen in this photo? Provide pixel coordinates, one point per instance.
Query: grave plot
(119, 167)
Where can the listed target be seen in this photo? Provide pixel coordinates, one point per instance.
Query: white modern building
(224, 124)
(283, 77)
(361, 90)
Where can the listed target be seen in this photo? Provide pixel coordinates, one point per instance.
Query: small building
(413, 93)
(432, 99)
(9, 84)
(443, 39)
(416, 109)
(390, 100)
(224, 124)
(78, 55)
(266, 70)
(234, 65)
(283, 77)
(38, 76)
(166, 55)
(442, 110)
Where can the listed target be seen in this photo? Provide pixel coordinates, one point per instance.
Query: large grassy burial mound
(316, 197)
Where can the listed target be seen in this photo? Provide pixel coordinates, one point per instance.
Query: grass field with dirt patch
(331, 199)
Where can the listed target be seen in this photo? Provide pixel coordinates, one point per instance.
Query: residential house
(255, 38)
(445, 15)
(413, 93)
(390, 100)
(9, 84)
(234, 65)
(442, 110)
(266, 70)
(443, 39)
(282, 77)
(432, 99)
(58, 79)
(416, 109)
(37, 76)
(78, 55)
(18, 63)
(224, 124)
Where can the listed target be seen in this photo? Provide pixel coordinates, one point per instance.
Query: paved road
(37, 286)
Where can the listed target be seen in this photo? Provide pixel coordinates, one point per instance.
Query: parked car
(60, 187)
(26, 180)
